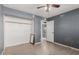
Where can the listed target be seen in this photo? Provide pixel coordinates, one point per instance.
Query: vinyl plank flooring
(45, 48)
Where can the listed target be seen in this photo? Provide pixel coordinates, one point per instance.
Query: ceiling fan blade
(40, 7)
(55, 5)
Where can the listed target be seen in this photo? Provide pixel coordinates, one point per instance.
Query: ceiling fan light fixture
(45, 8)
(48, 7)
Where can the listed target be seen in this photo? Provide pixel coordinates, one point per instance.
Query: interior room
(39, 29)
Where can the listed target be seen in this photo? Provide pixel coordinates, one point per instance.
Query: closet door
(50, 31)
(17, 31)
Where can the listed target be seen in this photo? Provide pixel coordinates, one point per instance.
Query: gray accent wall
(1, 31)
(37, 24)
(67, 28)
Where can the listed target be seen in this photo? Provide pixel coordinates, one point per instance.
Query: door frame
(42, 38)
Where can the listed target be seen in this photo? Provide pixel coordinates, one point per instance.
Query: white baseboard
(66, 46)
(13, 45)
(38, 42)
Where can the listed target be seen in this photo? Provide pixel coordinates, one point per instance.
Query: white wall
(16, 31)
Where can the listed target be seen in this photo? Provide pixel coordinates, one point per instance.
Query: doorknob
(52, 32)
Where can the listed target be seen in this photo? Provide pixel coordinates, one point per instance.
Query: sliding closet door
(17, 31)
(50, 31)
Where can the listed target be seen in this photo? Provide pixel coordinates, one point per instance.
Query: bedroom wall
(1, 31)
(26, 15)
(67, 28)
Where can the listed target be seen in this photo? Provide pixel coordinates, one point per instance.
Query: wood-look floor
(45, 48)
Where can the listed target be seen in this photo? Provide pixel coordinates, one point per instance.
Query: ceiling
(31, 8)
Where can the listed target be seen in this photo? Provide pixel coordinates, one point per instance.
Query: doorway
(43, 30)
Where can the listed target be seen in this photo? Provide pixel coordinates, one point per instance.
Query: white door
(50, 31)
(16, 31)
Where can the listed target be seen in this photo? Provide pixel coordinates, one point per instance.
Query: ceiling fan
(47, 6)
